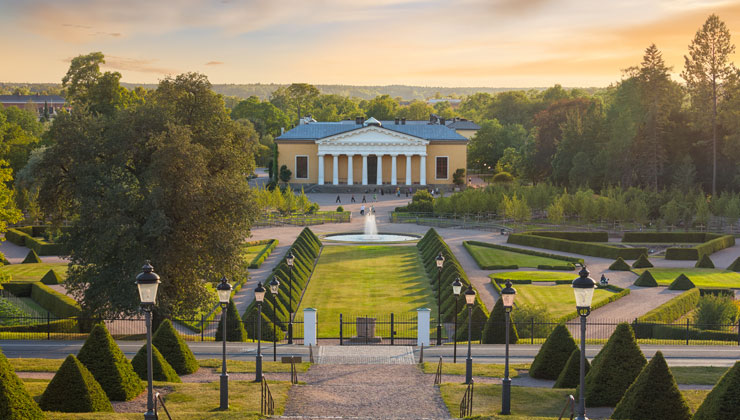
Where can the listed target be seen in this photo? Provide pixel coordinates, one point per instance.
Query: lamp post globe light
(469, 300)
(440, 260)
(274, 288)
(456, 289)
(508, 294)
(289, 259)
(224, 294)
(259, 296)
(147, 282)
(583, 288)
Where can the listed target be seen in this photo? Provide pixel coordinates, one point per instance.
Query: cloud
(214, 63)
(137, 65)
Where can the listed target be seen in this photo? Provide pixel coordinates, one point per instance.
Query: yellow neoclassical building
(372, 152)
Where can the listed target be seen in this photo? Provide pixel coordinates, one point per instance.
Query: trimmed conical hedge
(704, 262)
(642, 262)
(31, 258)
(174, 349)
(15, 401)
(234, 325)
(250, 325)
(51, 277)
(735, 266)
(570, 376)
(74, 390)
(681, 283)
(105, 360)
(654, 395)
(723, 402)
(161, 370)
(480, 319)
(494, 331)
(553, 354)
(619, 265)
(614, 368)
(646, 279)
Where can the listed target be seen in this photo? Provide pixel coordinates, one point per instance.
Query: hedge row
(537, 240)
(714, 243)
(264, 253)
(575, 236)
(679, 332)
(665, 237)
(60, 305)
(570, 260)
(28, 236)
(674, 308)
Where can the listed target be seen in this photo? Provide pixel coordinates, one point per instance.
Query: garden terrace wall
(710, 242)
(571, 260)
(534, 239)
(264, 253)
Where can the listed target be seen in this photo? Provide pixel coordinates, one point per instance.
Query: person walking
(363, 199)
(352, 200)
(362, 210)
(339, 200)
(375, 198)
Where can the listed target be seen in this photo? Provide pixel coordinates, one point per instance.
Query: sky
(454, 43)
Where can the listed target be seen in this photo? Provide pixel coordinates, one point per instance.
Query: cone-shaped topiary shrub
(704, 262)
(681, 283)
(234, 325)
(174, 349)
(74, 390)
(480, 318)
(735, 266)
(102, 357)
(15, 401)
(31, 258)
(570, 376)
(553, 355)
(646, 279)
(494, 331)
(614, 368)
(642, 262)
(270, 332)
(161, 370)
(723, 402)
(51, 277)
(654, 395)
(619, 265)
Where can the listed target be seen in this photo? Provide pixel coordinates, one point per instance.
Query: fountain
(370, 234)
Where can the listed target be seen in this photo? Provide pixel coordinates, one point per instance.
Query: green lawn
(235, 366)
(367, 280)
(486, 257)
(492, 370)
(698, 375)
(557, 298)
(33, 272)
(251, 251)
(535, 275)
(701, 277)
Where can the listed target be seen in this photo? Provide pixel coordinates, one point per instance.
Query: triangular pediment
(372, 135)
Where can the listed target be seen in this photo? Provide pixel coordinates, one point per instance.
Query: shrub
(704, 262)
(503, 176)
(340, 209)
(642, 262)
(31, 258)
(673, 309)
(681, 283)
(532, 321)
(735, 266)
(479, 322)
(263, 254)
(653, 395)
(614, 368)
(58, 304)
(553, 354)
(74, 390)
(161, 370)
(15, 401)
(619, 265)
(268, 329)
(51, 277)
(16, 237)
(234, 326)
(712, 311)
(582, 246)
(570, 376)
(723, 402)
(494, 331)
(102, 357)
(646, 279)
(174, 349)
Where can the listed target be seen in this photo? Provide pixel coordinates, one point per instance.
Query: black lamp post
(224, 294)
(583, 287)
(507, 296)
(469, 300)
(148, 283)
(456, 288)
(289, 260)
(440, 263)
(259, 296)
(274, 287)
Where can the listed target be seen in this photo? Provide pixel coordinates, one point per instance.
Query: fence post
(341, 325)
(202, 328)
(393, 331)
(422, 326)
(687, 332)
(48, 326)
(738, 332)
(309, 327)
(531, 331)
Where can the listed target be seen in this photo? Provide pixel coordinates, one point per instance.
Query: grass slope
(486, 256)
(701, 277)
(535, 275)
(33, 272)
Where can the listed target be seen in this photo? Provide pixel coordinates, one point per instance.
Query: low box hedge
(263, 254)
(31, 237)
(713, 244)
(58, 304)
(664, 237)
(573, 260)
(41, 326)
(16, 237)
(576, 236)
(680, 332)
(534, 239)
(674, 308)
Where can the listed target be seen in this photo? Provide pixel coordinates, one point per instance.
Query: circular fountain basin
(369, 238)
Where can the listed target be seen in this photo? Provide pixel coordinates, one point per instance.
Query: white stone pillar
(309, 327)
(335, 177)
(422, 322)
(321, 169)
(394, 174)
(350, 170)
(380, 169)
(408, 169)
(364, 169)
(423, 170)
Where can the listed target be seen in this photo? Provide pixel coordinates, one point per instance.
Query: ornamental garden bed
(595, 244)
(498, 257)
(525, 277)
(706, 243)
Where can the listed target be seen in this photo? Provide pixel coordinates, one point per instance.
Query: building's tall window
(441, 167)
(301, 167)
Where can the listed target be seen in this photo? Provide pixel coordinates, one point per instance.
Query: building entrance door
(372, 170)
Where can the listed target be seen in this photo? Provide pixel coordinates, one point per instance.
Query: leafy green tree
(382, 107)
(335, 108)
(488, 144)
(285, 174)
(416, 111)
(511, 107)
(265, 116)
(297, 96)
(88, 87)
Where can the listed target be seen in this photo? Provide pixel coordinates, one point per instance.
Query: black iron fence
(392, 329)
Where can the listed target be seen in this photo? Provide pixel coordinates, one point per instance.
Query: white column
(321, 169)
(380, 170)
(393, 170)
(422, 322)
(309, 327)
(350, 170)
(335, 178)
(408, 169)
(423, 170)
(364, 169)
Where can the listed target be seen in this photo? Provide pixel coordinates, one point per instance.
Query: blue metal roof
(32, 98)
(421, 129)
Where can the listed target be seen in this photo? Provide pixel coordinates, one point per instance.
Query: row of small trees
(284, 201)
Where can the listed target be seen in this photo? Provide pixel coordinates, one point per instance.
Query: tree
(285, 174)
(416, 111)
(706, 69)
(267, 118)
(458, 178)
(88, 87)
(382, 107)
(299, 96)
(490, 142)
